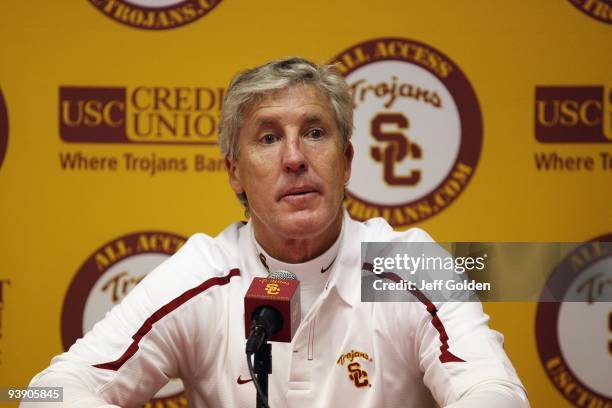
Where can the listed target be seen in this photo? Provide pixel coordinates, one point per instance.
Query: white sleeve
(463, 360)
(126, 383)
(495, 394)
(130, 354)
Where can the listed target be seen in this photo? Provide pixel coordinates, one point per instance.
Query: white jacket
(185, 319)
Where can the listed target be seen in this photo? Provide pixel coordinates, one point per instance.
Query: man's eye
(269, 138)
(315, 133)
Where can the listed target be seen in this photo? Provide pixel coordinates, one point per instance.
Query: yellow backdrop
(111, 110)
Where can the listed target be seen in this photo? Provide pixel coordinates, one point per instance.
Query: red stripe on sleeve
(160, 313)
(445, 355)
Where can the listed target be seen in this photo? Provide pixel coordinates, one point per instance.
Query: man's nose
(294, 159)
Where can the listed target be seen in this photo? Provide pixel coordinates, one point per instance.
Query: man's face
(291, 164)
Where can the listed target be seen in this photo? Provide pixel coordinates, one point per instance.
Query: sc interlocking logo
(418, 130)
(272, 289)
(356, 372)
(398, 148)
(357, 375)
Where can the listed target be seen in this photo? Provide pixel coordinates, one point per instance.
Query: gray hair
(250, 86)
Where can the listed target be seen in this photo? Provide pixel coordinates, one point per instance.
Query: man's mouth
(299, 192)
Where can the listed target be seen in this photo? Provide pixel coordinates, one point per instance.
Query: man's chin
(305, 224)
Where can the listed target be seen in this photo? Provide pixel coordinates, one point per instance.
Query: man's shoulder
(217, 250)
(206, 255)
(201, 258)
(378, 230)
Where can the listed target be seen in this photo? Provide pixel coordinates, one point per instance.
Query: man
(285, 132)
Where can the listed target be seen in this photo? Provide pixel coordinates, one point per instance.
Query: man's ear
(233, 172)
(348, 161)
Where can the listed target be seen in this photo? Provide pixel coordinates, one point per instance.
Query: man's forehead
(306, 97)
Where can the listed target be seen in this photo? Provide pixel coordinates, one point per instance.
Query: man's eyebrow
(314, 119)
(264, 122)
(271, 121)
(317, 118)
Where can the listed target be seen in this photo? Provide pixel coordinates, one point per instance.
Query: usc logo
(399, 147)
(573, 114)
(418, 127)
(357, 375)
(93, 113)
(568, 112)
(272, 289)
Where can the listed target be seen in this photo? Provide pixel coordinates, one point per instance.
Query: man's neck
(293, 250)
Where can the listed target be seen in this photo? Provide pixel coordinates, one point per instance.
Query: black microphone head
(282, 274)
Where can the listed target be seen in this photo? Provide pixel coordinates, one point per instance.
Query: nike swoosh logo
(323, 270)
(241, 381)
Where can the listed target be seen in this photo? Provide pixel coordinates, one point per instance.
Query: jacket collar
(345, 272)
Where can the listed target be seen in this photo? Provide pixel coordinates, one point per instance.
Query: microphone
(271, 309)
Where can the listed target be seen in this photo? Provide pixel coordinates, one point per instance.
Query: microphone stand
(262, 367)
